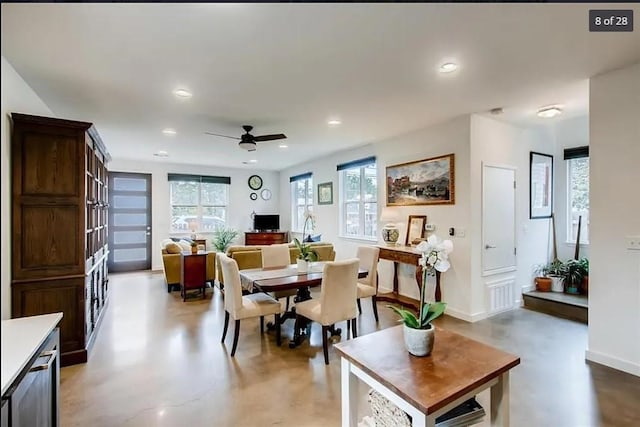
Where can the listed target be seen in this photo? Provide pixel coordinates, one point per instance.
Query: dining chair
(368, 286)
(277, 256)
(337, 300)
(241, 307)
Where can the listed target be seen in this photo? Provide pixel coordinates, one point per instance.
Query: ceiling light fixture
(496, 111)
(283, 146)
(169, 131)
(334, 122)
(161, 153)
(182, 93)
(549, 112)
(253, 161)
(448, 67)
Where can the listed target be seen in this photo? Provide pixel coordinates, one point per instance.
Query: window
(359, 199)
(301, 199)
(198, 203)
(577, 193)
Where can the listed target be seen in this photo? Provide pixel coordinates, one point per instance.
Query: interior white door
(498, 219)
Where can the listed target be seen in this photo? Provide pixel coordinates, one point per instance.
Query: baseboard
(465, 316)
(528, 288)
(613, 362)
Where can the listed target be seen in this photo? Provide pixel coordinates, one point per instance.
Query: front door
(129, 221)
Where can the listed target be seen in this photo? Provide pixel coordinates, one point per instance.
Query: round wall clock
(265, 194)
(255, 182)
(253, 196)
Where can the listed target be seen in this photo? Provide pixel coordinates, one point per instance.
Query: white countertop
(21, 338)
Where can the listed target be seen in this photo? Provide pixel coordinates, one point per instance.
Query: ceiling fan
(248, 141)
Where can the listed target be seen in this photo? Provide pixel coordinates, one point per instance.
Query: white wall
(240, 205)
(614, 276)
(17, 97)
(497, 143)
(568, 133)
(445, 138)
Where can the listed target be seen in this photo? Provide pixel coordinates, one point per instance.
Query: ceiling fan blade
(224, 136)
(273, 137)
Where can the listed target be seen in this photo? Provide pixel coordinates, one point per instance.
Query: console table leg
(500, 402)
(349, 385)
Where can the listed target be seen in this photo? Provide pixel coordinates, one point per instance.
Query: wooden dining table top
(285, 278)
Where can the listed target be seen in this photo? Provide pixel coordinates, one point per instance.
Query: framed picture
(423, 182)
(325, 193)
(540, 185)
(415, 229)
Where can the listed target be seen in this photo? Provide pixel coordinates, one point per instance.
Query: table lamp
(390, 232)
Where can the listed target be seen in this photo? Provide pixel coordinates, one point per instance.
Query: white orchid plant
(435, 257)
(306, 253)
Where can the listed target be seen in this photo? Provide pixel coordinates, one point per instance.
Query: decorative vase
(419, 342)
(543, 284)
(585, 285)
(557, 283)
(390, 234)
(194, 249)
(303, 266)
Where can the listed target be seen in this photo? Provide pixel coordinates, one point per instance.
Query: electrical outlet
(429, 227)
(460, 232)
(633, 243)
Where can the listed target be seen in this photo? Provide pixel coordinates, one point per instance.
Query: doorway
(129, 221)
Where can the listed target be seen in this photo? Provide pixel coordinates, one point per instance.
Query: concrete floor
(158, 362)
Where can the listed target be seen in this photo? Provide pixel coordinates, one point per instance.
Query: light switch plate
(460, 232)
(633, 243)
(429, 227)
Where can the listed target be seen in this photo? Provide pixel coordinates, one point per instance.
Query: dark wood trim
(74, 357)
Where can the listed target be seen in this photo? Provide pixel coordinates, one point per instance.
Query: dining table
(272, 279)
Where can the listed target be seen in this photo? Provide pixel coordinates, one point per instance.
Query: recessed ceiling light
(448, 67)
(169, 131)
(161, 153)
(182, 93)
(334, 122)
(549, 112)
(283, 146)
(253, 161)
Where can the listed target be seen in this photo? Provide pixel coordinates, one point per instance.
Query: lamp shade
(389, 215)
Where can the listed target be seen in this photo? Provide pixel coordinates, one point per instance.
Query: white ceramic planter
(557, 283)
(419, 342)
(303, 266)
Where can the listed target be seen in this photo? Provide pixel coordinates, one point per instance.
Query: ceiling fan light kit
(248, 141)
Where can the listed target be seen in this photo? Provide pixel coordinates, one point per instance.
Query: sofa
(171, 266)
(250, 256)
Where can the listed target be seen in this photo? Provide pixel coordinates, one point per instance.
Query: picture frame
(415, 229)
(325, 193)
(540, 185)
(423, 182)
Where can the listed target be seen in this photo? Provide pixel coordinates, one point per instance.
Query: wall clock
(265, 194)
(253, 196)
(255, 182)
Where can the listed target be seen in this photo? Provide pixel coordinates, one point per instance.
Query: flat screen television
(266, 222)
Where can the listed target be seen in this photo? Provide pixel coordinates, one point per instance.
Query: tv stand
(265, 237)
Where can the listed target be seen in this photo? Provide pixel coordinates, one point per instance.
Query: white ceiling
(290, 67)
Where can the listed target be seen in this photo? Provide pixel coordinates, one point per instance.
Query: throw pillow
(186, 246)
(173, 248)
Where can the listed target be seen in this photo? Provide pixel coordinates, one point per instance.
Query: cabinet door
(31, 400)
(5, 413)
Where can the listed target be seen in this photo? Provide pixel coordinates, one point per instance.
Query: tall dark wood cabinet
(59, 226)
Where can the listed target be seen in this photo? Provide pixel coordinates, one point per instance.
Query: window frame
(200, 207)
(308, 205)
(343, 170)
(570, 238)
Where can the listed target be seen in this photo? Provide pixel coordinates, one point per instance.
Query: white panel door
(498, 219)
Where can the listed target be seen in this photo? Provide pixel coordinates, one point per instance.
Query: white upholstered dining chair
(277, 256)
(241, 307)
(368, 286)
(337, 300)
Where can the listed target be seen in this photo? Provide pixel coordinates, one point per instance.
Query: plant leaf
(425, 313)
(408, 317)
(436, 311)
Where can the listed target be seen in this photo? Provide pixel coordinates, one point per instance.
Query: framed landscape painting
(423, 182)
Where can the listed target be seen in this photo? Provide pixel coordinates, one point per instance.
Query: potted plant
(223, 237)
(542, 281)
(194, 248)
(585, 279)
(305, 255)
(555, 271)
(574, 272)
(419, 334)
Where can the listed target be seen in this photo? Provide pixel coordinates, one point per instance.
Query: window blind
(301, 177)
(199, 178)
(576, 152)
(357, 163)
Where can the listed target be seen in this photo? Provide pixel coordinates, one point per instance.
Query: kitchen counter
(21, 338)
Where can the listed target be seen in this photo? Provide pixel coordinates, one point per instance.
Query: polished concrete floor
(158, 362)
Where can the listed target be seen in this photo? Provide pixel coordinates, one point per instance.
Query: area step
(574, 307)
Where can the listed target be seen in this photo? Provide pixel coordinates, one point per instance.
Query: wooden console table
(425, 387)
(404, 255)
(265, 237)
(193, 272)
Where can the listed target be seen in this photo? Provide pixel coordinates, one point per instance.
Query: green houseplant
(574, 272)
(305, 253)
(223, 237)
(419, 334)
(585, 280)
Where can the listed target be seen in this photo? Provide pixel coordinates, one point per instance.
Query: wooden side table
(193, 273)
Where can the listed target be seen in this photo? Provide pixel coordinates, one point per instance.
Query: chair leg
(374, 302)
(348, 329)
(325, 345)
(359, 306)
(235, 338)
(287, 307)
(226, 326)
(277, 325)
(355, 328)
(262, 324)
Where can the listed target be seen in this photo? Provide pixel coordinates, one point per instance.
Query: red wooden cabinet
(193, 273)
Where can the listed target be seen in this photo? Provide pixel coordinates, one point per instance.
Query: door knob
(148, 233)
(489, 247)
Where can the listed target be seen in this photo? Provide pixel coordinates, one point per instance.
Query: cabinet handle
(45, 366)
